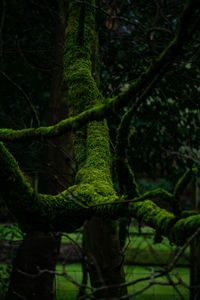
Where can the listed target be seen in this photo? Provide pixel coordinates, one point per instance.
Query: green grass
(67, 291)
(66, 238)
(156, 291)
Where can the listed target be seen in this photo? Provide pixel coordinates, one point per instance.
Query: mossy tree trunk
(91, 145)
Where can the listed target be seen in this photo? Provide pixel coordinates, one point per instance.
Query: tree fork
(93, 153)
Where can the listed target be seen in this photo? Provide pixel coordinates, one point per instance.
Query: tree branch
(98, 112)
(72, 207)
(166, 58)
(126, 176)
(33, 210)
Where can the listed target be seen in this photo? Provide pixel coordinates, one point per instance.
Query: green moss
(152, 215)
(157, 193)
(32, 210)
(91, 143)
(14, 188)
(98, 112)
(74, 52)
(88, 194)
(188, 213)
(184, 228)
(69, 209)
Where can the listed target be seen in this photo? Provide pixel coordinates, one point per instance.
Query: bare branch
(123, 19)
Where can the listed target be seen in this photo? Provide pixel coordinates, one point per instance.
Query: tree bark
(194, 250)
(39, 250)
(105, 259)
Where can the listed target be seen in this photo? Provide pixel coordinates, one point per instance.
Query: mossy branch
(157, 193)
(189, 22)
(98, 112)
(33, 210)
(69, 209)
(166, 223)
(186, 30)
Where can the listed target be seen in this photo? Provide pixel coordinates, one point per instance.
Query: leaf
(188, 66)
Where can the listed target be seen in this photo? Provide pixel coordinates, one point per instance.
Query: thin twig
(171, 281)
(28, 101)
(20, 296)
(106, 13)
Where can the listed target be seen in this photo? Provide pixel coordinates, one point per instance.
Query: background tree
(39, 249)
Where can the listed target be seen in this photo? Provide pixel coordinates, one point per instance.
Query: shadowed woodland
(99, 127)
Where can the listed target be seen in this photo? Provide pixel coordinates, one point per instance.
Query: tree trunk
(91, 145)
(84, 266)
(39, 250)
(194, 250)
(105, 259)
